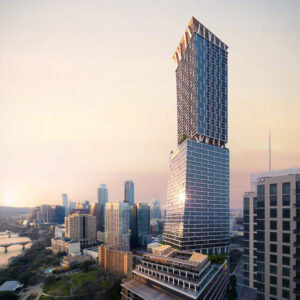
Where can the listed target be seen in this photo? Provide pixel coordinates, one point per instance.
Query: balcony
(297, 279)
(297, 219)
(297, 244)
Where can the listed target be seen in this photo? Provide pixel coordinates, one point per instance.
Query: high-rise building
(45, 213)
(272, 235)
(115, 261)
(198, 181)
(81, 227)
(84, 205)
(57, 214)
(133, 227)
(140, 234)
(96, 211)
(129, 192)
(117, 234)
(102, 200)
(156, 212)
(48, 214)
(171, 274)
(72, 205)
(65, 203)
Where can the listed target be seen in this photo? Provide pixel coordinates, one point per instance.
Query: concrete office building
(198, 182)
(71, 247)
(171, 274)
(115, 261)
(272, 235)
(117, 234)
(102, 200)
(59, 231)
(81, 227)
(129, 192)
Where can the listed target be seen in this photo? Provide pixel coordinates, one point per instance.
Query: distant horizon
(88, 94)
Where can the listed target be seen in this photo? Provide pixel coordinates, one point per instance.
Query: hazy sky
(87, 93)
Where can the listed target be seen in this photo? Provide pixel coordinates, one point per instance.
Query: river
(12, 251)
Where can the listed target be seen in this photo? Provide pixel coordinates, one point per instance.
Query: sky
(88, 94)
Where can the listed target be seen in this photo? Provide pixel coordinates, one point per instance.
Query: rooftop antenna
(270, 168)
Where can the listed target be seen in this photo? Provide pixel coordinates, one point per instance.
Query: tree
(183, 138)
(8, 296)
(61, 254)
(232, 279)
(233, 294)
(86, 265)
(49, 279)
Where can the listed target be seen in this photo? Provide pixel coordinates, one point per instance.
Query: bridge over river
(7, 233)
(23, 244)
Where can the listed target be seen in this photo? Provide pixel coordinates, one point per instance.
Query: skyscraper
(96, 211)
(81, 227)
(117, 218)
(57, 214)
(140, 225)
(102, 200)
(198, 181)
(129, 192)
(272, 235)
(65, 203)
(156, 212)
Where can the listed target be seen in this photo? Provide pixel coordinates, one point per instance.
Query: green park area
(94, 284)
(27, 268)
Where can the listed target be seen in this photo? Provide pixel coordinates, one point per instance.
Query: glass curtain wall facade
(102, 200)
(65, 203)
(140, 234)
(129, 192)
(198, 181)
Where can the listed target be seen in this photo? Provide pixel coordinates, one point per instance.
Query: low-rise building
(115, 261)
(60, 231)
(11, 286)
(91, 252)
(71, 247)
(71, 261)
(151, 246)
(176, 275)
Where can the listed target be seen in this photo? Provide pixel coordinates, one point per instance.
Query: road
(35, 289)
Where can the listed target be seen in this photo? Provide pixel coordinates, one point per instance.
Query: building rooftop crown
(195, 26)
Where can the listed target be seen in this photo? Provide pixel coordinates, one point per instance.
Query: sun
(9, 198)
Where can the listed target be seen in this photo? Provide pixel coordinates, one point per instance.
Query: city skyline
(60, 131)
